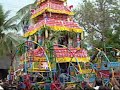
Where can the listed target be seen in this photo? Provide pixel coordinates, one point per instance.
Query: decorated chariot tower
(54, 39)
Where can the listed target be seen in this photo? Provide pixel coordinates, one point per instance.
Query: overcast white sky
(15, 5)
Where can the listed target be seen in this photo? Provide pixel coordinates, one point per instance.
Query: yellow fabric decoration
(63, 59)
(37, 70)
(68, 59)
(53, 11)
(39, 2)
(55, 28)
(87, 71)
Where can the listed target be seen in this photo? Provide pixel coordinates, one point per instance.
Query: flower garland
(55, 28)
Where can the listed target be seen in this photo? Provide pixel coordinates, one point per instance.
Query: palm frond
(12, 27)
(24, 10)
(15, 38)
(24, 15)
(3, 47)
(1, 15)
(6, 46)
(6, 14)
(11, 21)
(1, 29)
(9, 43)
(24, 20)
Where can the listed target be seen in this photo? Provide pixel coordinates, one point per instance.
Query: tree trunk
(11, 73)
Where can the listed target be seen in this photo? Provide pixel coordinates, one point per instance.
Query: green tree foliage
(24, 15)
(8, 39)
(100, 19)
(1, 16)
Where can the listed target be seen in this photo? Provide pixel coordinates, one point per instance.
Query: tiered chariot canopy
(64, 55)
(53, 14)
(54, 6)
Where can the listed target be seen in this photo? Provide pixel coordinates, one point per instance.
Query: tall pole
(40, 41)
(78, 40)
(25, 63)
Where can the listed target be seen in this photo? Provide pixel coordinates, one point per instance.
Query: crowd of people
(25, 82)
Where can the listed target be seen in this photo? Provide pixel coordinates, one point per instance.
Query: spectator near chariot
(115, 83)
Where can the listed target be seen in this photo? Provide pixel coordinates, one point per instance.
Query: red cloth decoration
(32, 11)
(70, 7)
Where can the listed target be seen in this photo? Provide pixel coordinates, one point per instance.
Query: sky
(15, 5)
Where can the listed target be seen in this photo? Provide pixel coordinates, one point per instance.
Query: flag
(70, 7)
(32, 11)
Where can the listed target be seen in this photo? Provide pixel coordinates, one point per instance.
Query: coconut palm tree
(8, 39)
(24, 14)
